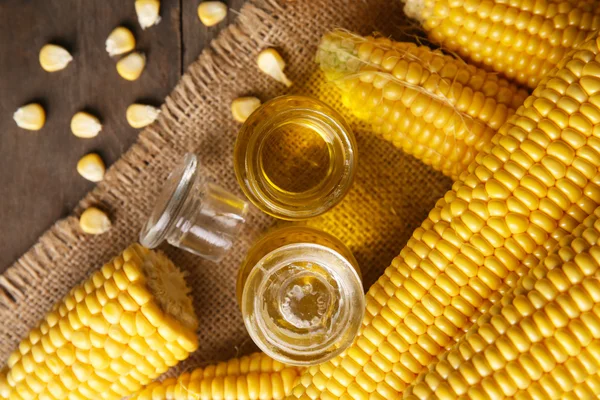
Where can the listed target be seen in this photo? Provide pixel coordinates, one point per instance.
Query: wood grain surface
(38, 180)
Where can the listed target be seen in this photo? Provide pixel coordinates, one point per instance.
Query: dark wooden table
(38, 180)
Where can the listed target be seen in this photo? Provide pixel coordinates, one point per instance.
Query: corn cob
(250, 377)
(522, 39)
(542, 340)
(111, 335)
(588, 389)
(539, 179)
(431, 105)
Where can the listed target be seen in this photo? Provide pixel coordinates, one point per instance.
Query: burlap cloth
(390, 197)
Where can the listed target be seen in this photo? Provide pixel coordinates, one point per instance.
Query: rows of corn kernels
(496, 295)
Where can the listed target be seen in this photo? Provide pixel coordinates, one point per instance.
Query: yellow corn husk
(252, 377)
(431, 105)
(537, 182)
(109, 336)
(541, 341)
(523, 40)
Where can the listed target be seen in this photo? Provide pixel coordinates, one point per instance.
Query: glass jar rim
(170, 200)
(255, 130)
(351, 315)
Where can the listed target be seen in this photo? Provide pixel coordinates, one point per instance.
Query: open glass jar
(301, 295)
(194, 214)
(295, 157)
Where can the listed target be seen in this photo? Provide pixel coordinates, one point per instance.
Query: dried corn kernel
(91, 167)
(242, 107)
(148, 12)
(212, 12)
(141, 115)
(270, 62)
(94, 221)
(131, 66)
(54, 58)
(93, 357)
(31, 117)
(85, 125)
(120, 41)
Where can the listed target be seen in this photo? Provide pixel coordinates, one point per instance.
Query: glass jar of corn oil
(295, 157)
(301, 295)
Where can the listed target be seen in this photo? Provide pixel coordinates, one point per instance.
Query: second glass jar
(301, 295)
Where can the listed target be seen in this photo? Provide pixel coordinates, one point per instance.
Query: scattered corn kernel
(147, 12)
(242, 107)
(131, 66)
(91, 167)
(141, 115)
(54, 58)
(270, 62)
(31, 117)
(120, 41)
(94, 221)
(212, 12)
(85, 125)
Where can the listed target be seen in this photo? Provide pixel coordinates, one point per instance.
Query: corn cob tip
(414, 9)
(337, 54)
(167, 283)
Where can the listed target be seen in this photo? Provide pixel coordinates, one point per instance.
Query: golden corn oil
(295, 157)
(301, 295)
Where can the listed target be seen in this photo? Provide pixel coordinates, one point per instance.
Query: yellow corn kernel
(85, 125)
(31, 117)
(120, 41)
(523, 40)
(141, 115)
(54, 58)
(212, 12)
(148, 12)
(97, 357)
(131, 66)
(271, 63)
(91, 167)
(242, 107)
(94, 221)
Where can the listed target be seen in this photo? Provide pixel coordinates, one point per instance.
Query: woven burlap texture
(391, 195)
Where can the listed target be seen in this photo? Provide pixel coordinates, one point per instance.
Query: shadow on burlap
(391, 195)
